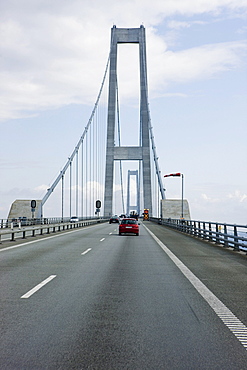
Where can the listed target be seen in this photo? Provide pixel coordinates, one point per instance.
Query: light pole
(179, 175)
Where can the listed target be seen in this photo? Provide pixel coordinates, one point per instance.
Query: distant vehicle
(74, 219)
(134, 214)
(146, 215)
(128, 226)
(114, 219)
(122, 216)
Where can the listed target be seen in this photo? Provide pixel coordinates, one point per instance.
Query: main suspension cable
(70, 159)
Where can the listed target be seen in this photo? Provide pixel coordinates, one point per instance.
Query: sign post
(98, 206)
(33, 206)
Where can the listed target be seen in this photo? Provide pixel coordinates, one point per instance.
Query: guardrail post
(190, 228)
(194, 228)
(24, 235)
(204, 231)
(186, 229)
(216, 233)
(210, 232)
(236, 247)
(199, 229)
(12, 237)
(225, 236)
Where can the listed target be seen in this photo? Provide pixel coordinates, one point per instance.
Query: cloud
(208, 199)
(237, 196)
(41, 188)
(177, 25)
(227, 207)
(54, 54)
(242, 30)
(194, 64)
(222, 195)
(50, 66)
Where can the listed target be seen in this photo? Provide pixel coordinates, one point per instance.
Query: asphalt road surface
(91, 299)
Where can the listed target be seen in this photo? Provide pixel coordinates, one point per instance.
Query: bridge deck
(89, 298)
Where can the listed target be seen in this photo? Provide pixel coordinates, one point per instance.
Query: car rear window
(128, 222)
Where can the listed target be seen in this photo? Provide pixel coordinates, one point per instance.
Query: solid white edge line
(86, 251)
(219, 307)
(39, 286)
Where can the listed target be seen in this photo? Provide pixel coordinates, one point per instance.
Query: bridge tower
(142, 151)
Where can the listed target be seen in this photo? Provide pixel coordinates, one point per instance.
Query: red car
(129, 225)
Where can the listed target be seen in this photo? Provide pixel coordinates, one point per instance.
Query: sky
(53, 56)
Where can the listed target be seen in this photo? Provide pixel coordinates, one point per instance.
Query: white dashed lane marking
(86, 251)
(39, 286)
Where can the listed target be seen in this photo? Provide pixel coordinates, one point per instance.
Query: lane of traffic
(37, 325)
(222, 271)
(27, 264)
(228, 318)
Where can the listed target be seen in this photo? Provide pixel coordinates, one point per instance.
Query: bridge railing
(229, 235)
(24, 221)
(12, 230)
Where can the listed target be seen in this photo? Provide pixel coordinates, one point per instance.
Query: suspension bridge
(97, 168)
(87, 298)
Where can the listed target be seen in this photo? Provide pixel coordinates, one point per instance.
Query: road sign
(98, 203)
(33, 203)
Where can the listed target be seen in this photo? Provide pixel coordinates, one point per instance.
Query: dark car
(114, 219)
(129, 226)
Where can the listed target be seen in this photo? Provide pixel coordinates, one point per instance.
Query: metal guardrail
(24, 221)
(228, 235)
(44, 226)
